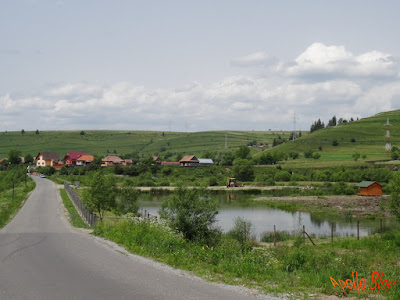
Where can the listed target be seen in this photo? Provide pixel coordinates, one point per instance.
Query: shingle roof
(113, 158)
(49, 156)
(189, 158)
(86, 157)
(75, 155)
(366, 183)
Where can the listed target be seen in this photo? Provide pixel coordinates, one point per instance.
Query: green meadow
(128, 142)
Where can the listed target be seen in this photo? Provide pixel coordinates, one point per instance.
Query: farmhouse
(189, 161)
(112, 160)
(47, 159)
(71, 157)
(370, 188)
(84, 160)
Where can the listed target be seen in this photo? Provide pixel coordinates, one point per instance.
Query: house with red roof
(71, 157)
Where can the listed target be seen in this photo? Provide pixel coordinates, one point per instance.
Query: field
(366, 136)
(128, 142)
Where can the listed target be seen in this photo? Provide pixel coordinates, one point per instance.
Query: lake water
(239, 204)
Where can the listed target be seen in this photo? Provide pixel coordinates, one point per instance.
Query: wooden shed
(370, 188)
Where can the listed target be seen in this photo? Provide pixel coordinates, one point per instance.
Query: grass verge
(75, 218)
(10, 207)
(299, 269)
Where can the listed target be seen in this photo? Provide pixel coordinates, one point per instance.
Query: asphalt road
(43, 257)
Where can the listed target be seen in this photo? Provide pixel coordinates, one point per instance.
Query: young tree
(37, 131)
(14, 157)
(22, 131)
(356, 156)
(127, 201)
(82, 133)
(192, 212)
(28, 159)
(101, 194)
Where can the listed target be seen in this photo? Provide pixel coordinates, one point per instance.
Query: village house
(189, 161)
(156, 159)
(84, 160)
(112, 160)
(71, 157)
(370, 188)
(127, 162)
(47, 159)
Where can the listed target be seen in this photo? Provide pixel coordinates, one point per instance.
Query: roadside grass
(299, 269)
(75, 218)
(10, 207)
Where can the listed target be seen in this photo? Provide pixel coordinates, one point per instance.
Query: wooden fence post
(304, 234)
(274, 236)
(332, 232)
(358, 230)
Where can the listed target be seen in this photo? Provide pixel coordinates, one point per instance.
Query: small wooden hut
(370, 188)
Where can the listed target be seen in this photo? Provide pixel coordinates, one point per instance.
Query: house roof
(156, 158)
(189, 158)
(366, 183)
(170, 163)
(3, 159)
(75, 155)
(86, 157)
(206, 161)
(49, 156)
(113, 159)
(129, 161)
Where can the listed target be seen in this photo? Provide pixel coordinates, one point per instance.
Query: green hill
(127, 142)
(366, 136)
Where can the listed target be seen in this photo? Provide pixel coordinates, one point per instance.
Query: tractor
(232, 182)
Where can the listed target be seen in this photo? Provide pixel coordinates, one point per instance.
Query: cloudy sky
(195, 65)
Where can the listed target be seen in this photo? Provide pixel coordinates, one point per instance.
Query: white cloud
(324, 62)
(338, 83)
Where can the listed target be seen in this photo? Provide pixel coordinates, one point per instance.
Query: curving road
(43, 257)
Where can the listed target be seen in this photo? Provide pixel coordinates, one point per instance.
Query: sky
(195, 65)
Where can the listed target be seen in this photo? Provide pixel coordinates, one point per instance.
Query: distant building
(189, 161)
(84, 160)
(156, 159)
(47, 159)
(370, 188)
(71, 157)
(206, 162)
(112, 160)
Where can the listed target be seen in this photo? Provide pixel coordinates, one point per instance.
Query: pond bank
(347, 206)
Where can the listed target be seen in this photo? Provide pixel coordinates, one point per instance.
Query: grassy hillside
(125, 142)
(366, 136)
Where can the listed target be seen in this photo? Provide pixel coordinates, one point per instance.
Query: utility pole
(294, 127)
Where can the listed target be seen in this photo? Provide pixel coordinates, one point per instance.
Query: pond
(263, 218)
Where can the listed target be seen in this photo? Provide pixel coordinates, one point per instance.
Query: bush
(193, 213)
(335, 143)
(282, 176)
(243, 170)
(308, 153)
(242, 231)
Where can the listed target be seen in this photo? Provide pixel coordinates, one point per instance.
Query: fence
(87, 216)
(305, 235)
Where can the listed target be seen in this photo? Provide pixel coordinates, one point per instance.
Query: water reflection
(233, 205)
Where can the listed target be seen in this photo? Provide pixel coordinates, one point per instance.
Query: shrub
(335, 142)
(308, 153)
(191, 212)
(242, 231)
(282, 176)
